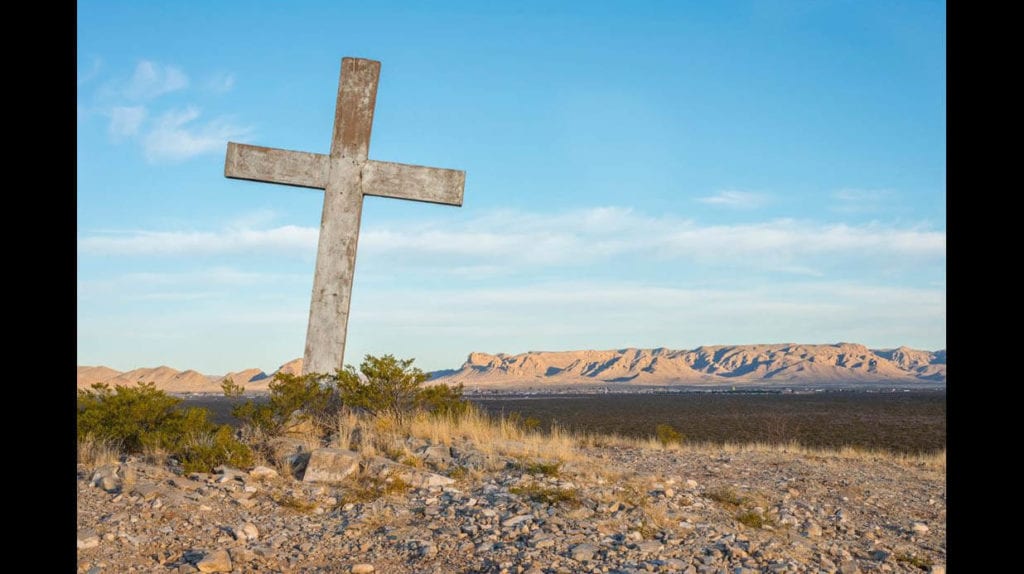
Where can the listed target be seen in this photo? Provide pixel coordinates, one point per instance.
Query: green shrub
(142, 417)
(393, 387)
(445, 400)
(204, 452)
(136, 417)
(231, 388)
(288, 393)
(668, 435)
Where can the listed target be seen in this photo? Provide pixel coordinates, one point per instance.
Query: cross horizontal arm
(414, 182)
(299, 168)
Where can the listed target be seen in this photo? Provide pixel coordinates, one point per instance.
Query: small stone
(849, 567)
(362, 569)
(880, 555)
(88, 539)
(263, 473)
(691, 484)
(649, 546)
(516, 520)
(811, 529)
(216, 561)
(919, 528)
(582, 552)
(250, 530)
(669, 493)
(937, 569)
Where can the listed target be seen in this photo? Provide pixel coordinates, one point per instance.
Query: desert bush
(203, 452)
(231, 388)
(142, 419)
(668, 435)
(393, 387)
(444, 400)
(288, 393)
(134, 417)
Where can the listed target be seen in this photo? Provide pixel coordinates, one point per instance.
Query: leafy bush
(231, 388)
(208, 450)
(288, 393)
(443, 400)
(668, 435)
(136, 417)
(142, 417)
(393, 387)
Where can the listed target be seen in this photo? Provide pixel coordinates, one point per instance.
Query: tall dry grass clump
(95, 452)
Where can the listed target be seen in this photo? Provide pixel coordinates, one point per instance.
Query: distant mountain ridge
(787, 362)
(722, 364)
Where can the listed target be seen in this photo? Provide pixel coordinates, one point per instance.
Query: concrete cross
(346, 175)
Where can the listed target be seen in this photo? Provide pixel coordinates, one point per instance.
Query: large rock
(435, 455)
(216, 561)
(290, 453)
(106, 477)
(330, 465)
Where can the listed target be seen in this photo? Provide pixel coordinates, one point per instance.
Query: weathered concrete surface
(346, 175)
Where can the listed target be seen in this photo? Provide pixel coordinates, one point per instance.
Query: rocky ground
(455, 509)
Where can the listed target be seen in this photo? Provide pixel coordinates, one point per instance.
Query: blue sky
(638, 174)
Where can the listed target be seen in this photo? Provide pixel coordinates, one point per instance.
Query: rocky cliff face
(721, 364)
(724, 364)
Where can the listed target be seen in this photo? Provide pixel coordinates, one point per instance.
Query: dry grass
(655, 519)
(547, 494)
(753, 519)
(540, 467)
(94, 452)
(933, 460)
(293, 503)
(368, 488)
(921, 562)
(502, 436)
(726, 495)
(347, 424)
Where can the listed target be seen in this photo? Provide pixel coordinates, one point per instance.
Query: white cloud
(287, 239)
(221, 83)
(152, 79)
(523, 242)
(735, 199)
(94, 69)
(125, 120)
(175, 137)
(852, 200)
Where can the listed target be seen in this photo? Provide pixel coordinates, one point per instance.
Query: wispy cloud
(852, 200)
(152, 79)
(735, 199)
(287, 239)
(221, 83)
(176, 136)
(523, 242)
(125, 120)
(87, 75)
